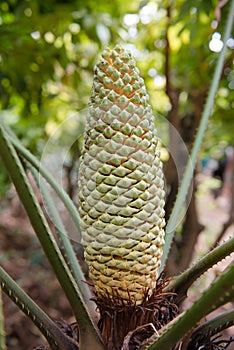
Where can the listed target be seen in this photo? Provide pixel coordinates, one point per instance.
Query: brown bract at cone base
(125, 324)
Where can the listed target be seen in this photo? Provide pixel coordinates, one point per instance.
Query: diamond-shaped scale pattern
(121, 186)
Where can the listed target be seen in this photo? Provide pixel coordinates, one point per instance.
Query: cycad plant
(121, 219)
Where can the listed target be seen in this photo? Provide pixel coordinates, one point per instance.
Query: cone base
(124, 324)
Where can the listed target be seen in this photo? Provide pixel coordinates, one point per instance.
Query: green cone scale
(121, 186)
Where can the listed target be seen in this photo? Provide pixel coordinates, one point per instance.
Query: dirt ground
(23, 259)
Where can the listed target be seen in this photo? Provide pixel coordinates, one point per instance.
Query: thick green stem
(180, 284)
(55, 337)
(219, 293)
(68, 249)
(2, 331)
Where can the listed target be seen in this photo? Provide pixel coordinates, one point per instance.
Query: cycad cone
(121, 186)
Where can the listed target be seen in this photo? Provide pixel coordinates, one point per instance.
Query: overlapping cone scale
(121, 186)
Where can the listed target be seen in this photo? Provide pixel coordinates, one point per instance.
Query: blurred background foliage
(48, 51)
(49, 48)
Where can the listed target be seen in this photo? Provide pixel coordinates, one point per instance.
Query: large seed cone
(121, 186)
